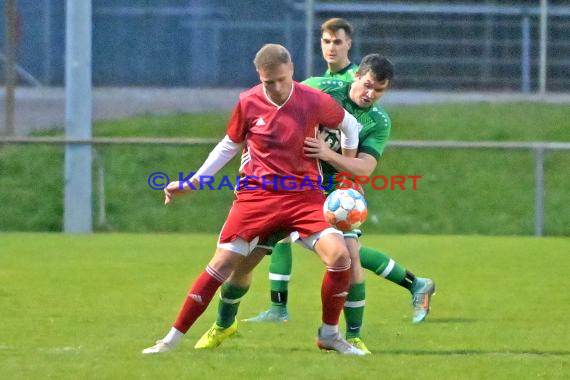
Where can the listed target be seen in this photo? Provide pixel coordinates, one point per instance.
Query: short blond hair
(271, 56)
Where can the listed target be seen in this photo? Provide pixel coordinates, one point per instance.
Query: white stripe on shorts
(239, 246)
(310, 241)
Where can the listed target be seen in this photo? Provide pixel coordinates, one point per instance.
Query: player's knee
(240, 278)
(224, 262)
(333, 251)
(340, 257)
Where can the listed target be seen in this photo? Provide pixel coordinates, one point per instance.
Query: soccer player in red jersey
(279, 194)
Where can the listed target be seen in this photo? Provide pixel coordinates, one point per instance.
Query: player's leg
(306, 220)
(279, 275)
(355, 300)
(421, 288)
(233, 245)
(332, 250)
(199, 296)
(231, 293)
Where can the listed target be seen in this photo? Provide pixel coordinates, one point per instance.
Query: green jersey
(346, 74)
(375, 123)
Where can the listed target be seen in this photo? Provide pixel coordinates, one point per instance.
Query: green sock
(230, 297)
(354, 310)
(279, 274)
(386, 267)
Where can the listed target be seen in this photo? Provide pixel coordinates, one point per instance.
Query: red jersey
(273, 136)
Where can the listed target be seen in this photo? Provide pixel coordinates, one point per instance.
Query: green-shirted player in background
(336, 41)
(357, 97)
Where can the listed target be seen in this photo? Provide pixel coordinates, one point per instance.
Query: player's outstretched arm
(217, 159)
(174, 189)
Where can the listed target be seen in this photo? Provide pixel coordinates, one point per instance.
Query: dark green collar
(344, 70)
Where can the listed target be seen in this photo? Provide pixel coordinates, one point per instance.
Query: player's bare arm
(317, 148)
(362, 164)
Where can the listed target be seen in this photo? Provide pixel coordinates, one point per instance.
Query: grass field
(461, 192)
(84, 306)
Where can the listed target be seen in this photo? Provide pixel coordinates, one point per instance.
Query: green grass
(84, 306)
(461, 192)
(482, 122)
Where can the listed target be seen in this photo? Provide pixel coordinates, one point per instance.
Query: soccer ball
(345, 209)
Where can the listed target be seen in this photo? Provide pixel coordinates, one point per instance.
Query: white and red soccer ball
(345, 209)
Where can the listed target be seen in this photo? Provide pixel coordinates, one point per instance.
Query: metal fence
(540, 149)
(458, 46)
(196, 43)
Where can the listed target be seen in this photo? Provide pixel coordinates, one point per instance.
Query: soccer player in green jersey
(371, 81)
(336, 40)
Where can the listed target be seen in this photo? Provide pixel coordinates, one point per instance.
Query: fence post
(539, 191)
(287, 28)
(10, 68)
(201, 46)
(309, 32)
(525, 53)
(47, 42)
(77, 216)
(102, 219)
(542, 70)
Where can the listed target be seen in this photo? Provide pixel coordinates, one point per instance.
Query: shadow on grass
(451, 320)
(472, 353)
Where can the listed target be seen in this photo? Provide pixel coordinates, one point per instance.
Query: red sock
(199, 296)
(333, 293)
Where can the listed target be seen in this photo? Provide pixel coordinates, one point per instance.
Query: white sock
(173, 337)
(329, 330)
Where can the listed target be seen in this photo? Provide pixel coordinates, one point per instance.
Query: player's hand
(317, 148)
(175, 189)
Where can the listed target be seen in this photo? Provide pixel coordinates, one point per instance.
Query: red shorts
(261, 214)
